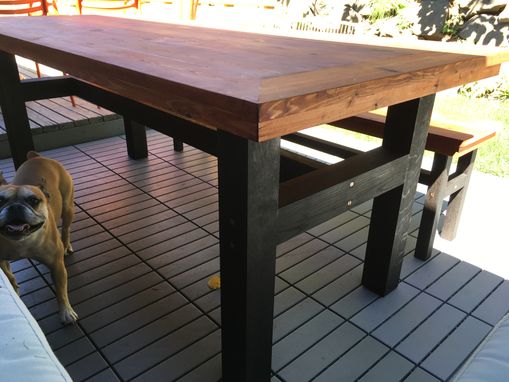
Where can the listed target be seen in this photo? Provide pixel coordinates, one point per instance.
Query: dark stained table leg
(405, 133)
(248, 202)
(178, 145)
(457, 199)
(136, 138)
(433, 206)
(14, 110)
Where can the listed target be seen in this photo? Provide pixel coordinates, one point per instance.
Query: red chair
(107, 5)
(29, 8)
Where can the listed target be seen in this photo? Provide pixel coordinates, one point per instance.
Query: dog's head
(23, 211)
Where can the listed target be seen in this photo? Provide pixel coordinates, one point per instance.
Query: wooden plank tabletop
(256, 86)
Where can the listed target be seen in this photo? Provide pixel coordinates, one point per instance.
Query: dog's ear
(42, 186)
(2, 179)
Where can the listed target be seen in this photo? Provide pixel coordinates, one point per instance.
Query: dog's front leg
(6, 267)
(59, 275)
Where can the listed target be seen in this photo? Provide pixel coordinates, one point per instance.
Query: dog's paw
(68, 316)
(68, 250)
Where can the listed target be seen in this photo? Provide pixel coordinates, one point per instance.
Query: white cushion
(490, 361)
(25, 354)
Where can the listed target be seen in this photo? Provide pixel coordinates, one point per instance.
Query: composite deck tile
(126, 306)
(322, 354)
(160, 350)
(418, 344)
(103, 195)
(184, 361)
(451, 353)
(452, 281)
(64, 336)
(420, 375)
(133, 219)
(30, 286)
(293, 243)
(75, 351)
(345, 230)
(179, 226)
(89, 241)
(46, 307)
(495, 306)
(354, 301)
(112, 331)
(475, 291)
(87, 367)
(209, 371)
(392, 367)
(411, 263)
(355, 362)
(380, 310)
(302, 338)
(195, 204)
(143, 227)
(294, 317)
(328, 273)
(359, 252)
(120, 207)
(354, 240)
(364, 207)
(146, 335)
(186, 237)
(196, 273)
(180, 259)
(136, 238)
(312, 264)
(104, 376)
(187, 202)
(340, 287)
(286, 299)
(106, 299)
(202, 211)
(431, 271)
(299, 254)
(392, 331)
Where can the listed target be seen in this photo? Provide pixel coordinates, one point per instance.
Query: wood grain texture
(255, 86)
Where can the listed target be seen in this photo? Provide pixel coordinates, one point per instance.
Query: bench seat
(445, 140)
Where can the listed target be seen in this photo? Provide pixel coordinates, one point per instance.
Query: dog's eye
(33, 201)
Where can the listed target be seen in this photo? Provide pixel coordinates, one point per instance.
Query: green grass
(493, 156)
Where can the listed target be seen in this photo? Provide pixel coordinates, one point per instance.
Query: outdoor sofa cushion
(490, 361)
(25, 354)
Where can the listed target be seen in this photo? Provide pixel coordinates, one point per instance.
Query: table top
(252, 85)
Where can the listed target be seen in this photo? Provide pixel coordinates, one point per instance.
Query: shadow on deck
(146, 241)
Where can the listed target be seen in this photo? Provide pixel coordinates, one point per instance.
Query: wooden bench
(445, 140)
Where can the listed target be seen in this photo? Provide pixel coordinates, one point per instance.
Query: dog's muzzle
(18, 221)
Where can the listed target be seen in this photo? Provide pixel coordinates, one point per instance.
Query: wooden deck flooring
(146, 241)
(55, 122)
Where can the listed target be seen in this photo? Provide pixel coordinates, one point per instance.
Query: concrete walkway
(483, 235)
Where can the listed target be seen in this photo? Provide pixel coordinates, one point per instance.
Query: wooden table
(234, 95)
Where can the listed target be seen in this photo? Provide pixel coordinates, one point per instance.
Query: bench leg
(457, 199)
(248, 203)
(136, 138)
(405, 134)
(14, 110)
(433, 205)
(178, 145)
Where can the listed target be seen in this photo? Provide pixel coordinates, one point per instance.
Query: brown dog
(30, 208)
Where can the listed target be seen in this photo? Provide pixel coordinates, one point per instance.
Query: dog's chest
(18, 250)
